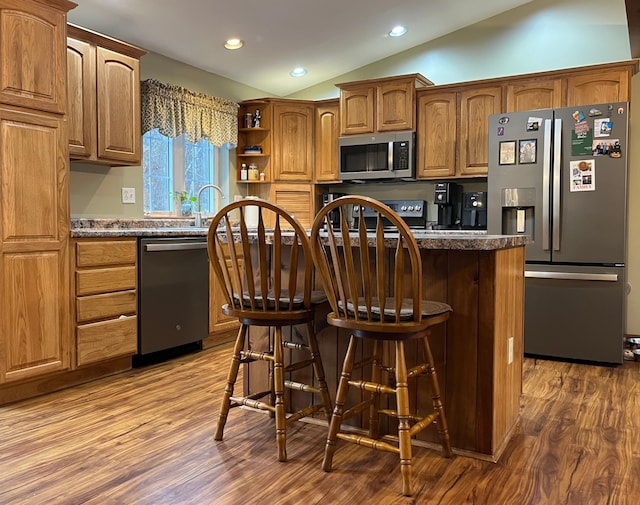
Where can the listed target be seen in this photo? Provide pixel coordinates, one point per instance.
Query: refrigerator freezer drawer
(575, 315)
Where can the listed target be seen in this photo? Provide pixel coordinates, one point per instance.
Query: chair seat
(317, 298)
(429, 308)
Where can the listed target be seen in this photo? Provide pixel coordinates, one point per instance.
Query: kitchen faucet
(198, 216)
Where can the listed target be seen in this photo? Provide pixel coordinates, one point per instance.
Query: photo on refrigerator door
(507, 153)
(527, 151)
(583, 175)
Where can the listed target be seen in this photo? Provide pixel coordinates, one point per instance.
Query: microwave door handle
(390, 157)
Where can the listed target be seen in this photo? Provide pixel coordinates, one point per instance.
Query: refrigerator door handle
(557, 174)
(546, 173)
(570, 276)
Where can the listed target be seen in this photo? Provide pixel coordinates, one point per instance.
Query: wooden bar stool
(268, 285)
(376, 294)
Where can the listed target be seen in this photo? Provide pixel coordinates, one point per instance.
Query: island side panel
(462, 373)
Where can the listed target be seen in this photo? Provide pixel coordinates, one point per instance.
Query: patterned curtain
(175, 111)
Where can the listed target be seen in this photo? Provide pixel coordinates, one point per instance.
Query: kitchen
(104, 182)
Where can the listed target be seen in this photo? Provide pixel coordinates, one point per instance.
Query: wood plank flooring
(146, 437)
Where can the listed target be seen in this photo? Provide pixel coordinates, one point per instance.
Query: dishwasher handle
(176, 246)
(570, 276)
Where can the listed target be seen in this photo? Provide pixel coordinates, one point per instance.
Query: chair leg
(374, 421)
(278, 389)
(341, 398)
(319, 369)
(443, 430)
(402, 399)
(231, 380)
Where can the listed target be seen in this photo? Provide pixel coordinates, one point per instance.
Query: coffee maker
(447, 198)
(474, 210)
(334, 214)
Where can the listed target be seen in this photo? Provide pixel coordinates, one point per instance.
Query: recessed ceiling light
(234, 44)
(298, 72)
(398, 31)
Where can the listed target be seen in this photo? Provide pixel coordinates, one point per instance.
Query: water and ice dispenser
(518, 210)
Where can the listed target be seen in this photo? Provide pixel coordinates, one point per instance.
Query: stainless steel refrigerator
(560, 175)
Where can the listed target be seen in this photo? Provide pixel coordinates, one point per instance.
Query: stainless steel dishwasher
(173, 287)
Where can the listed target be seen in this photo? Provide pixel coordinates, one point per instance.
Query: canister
(253, 172)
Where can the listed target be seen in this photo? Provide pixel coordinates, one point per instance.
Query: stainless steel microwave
(377, 156)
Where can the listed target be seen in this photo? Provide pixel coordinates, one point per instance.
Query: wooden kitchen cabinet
(535, 94)
(602, 86)
(105, 297)
(437, 137)
(453, 130)
(103, 79)
(476, 105)
(327, 131)
(378, 105)
(219, 322)
(298, 199)
(32, 61)
(34, 194)
(293, 141)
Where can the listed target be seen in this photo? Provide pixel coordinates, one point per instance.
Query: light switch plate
(128, 195)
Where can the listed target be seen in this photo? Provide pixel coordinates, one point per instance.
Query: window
(174, 165)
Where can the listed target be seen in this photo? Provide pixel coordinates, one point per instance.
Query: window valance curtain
(174, 111)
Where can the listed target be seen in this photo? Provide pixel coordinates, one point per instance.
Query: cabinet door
(118, 104)
(298, 199)
(356, 110)
(476, 105)
(34, 265)
(32, 55)
(598, 87)
(535, 94)
(437, 135)
(326, 141)
(395, 106)
(293, 142)
(81, 78)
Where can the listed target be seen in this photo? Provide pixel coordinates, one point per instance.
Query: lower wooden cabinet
(105, 295)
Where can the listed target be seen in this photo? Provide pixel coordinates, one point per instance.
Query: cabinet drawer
(105, 280)
(91, 308)
(107, 339)
(107, 252)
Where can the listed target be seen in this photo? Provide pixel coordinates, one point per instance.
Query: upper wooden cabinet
(437, 137)
(327, 131)
(476, 105)
(32, 65)
(376, 105)
(104, 98)
(453, 131)
(599, 87)
(535, 94)
(292, 148)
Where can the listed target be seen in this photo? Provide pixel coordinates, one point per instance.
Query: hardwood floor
(146, 437)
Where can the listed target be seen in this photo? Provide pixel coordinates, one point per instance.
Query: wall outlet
(510, 351)
(237, 198)
(128, 195)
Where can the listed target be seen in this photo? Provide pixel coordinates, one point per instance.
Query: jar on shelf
(253, 172)
(244, 172)
(248, 120)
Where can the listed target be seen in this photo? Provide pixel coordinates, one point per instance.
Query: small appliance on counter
(333, 215)
(412, 212)
(447, 198)
(474, 210)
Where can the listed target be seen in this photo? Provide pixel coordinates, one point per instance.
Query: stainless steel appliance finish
(382, 156)
(413, 212)
(173, 285)
(568, 190)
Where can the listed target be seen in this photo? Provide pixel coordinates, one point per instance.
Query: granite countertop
(427, 239)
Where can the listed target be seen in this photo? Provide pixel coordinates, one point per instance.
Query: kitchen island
(478, 352)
